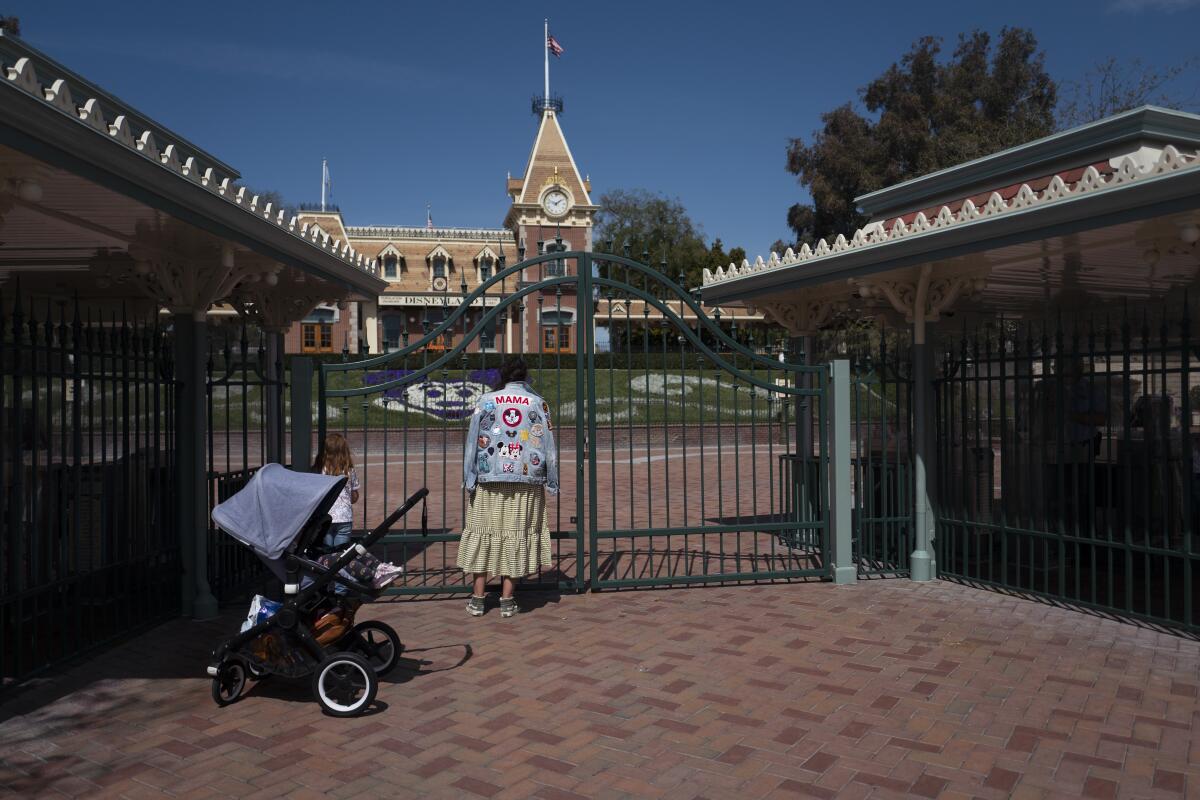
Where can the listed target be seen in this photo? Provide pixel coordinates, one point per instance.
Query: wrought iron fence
(881, 428)
(89, 548)
(247, 407)
(1069, 463)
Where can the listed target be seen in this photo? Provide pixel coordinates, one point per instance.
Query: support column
(840, 503)
(273, 397)
(191, 495)
(923, 561)
(370, 324)
(302, 414)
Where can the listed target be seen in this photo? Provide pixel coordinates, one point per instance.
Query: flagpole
(324, 172)
(546, 56)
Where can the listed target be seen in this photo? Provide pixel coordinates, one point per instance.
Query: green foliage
(658, 227)
(925, 113)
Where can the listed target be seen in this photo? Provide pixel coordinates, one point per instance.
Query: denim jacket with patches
(510, 440)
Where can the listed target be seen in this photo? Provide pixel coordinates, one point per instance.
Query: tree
(925, 113)
(717, 257)
(1111, 87)
(656, 225)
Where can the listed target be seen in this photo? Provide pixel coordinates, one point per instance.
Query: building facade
(430, 271)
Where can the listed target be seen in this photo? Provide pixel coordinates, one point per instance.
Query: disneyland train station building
(430, 270)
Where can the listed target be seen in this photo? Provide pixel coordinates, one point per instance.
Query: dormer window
(485, 268)
(391, 263)
(439, 266)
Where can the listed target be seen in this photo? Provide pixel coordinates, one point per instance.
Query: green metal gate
(697, 456)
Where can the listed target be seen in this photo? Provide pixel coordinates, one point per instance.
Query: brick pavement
(885, 689)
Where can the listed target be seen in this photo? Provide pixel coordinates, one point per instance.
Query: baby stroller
(283, 516)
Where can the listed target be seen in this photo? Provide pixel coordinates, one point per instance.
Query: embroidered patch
(535, 441)
(545, 407)
(511, 417)
(491, 450)
(489, 405)
(537, 430)
(535, 459)
(484, 441)
(496, 430)
(509, 466)
(524, 469)
(511, 450)
(511, 434)
(483, 463)
(487, 420)
(524, 436)
(534, 416)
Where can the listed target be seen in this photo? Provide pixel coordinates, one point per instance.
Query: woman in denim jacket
(509, 462)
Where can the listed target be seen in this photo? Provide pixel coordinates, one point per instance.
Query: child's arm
(354, 486)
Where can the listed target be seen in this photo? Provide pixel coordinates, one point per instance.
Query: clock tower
(551, 199)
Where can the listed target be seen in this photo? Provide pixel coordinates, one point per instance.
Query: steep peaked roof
(551, 155)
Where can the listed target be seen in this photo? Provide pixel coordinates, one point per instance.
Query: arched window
(439, 266)
(485, 268)
(391, 267)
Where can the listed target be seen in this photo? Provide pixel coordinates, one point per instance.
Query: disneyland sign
(449, 301)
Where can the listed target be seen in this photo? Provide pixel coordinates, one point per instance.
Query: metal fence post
(840, 504)
(301, 388)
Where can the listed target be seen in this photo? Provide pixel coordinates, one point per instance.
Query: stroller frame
(330, 666)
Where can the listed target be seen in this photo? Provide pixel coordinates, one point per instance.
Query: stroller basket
(281, 515)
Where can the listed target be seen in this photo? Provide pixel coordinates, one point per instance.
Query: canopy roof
(98, 199)
(1107, 216)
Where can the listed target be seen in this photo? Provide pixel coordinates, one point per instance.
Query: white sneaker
(386, 573)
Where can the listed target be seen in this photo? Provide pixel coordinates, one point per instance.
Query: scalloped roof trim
(59, 96)
(875, 234)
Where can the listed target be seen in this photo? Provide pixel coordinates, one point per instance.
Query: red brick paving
(747, 691)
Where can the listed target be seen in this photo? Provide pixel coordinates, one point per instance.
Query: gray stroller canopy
(276, 504)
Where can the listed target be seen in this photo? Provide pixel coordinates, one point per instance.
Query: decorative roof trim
(425, 234)
(875, 235)
(1147, 123)
(135, 133)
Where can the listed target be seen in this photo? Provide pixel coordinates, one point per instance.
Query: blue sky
(429, 102)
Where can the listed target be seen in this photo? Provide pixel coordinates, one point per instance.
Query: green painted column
(191, 352)
(275, 423)
(923, 561)
(840, 500)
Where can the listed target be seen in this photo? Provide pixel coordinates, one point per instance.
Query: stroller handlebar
(379, 532)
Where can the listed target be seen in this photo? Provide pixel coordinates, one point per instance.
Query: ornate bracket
(189, 288)
(804, 316)
(924, 300)
(275, 311)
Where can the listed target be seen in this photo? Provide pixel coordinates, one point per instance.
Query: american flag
(553, 46)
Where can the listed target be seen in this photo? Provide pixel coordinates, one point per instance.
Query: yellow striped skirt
(506, 532)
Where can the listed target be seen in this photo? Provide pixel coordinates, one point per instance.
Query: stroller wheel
(378, 644)
(344, 684)
(229, 684)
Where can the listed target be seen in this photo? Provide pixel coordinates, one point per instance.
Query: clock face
(555, 203)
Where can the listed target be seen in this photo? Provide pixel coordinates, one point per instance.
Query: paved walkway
(888, 689)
